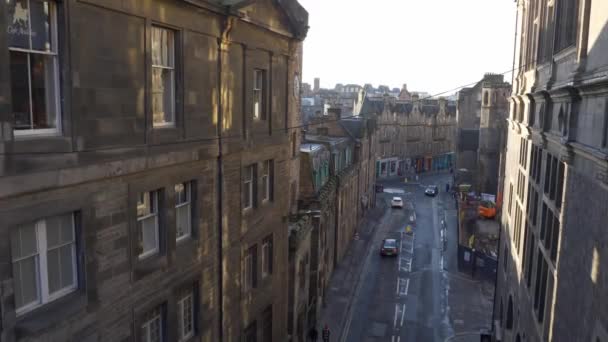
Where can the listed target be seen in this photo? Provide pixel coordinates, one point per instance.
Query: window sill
(49, 315)
(150, 264)
(164, 126)
(25, 134)
(41, 144)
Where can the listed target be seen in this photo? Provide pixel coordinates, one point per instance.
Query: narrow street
(403, 298)
(418, 295)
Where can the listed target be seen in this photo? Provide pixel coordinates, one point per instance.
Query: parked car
(397, 202)
(431, 190)
(389, 247)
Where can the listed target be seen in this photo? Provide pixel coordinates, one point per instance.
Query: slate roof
(372, 106)
(402, 107)
(355, 127)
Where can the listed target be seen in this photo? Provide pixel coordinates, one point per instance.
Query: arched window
(485, 98)
(510, 314)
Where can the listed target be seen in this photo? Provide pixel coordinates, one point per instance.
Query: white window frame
(188, 188)
(266, 179)
(55, 74)
(41, 263)
(184, 335)
(171, 69)
(259, 78)
(266, 248)
(248, 184)
(154, 203)
(146, 325)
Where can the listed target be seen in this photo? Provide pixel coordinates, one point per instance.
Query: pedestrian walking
(326, 333)
(313, 334)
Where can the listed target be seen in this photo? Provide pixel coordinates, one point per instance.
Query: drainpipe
(226, 27)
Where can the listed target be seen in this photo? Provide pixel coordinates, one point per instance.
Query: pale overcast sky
(432, 45)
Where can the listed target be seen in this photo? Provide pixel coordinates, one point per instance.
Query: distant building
(317, 84)
(413, 136)
(482, 112)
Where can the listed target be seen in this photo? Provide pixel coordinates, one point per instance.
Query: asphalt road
(404, 298)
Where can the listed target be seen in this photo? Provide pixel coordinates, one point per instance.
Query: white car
(397, 202)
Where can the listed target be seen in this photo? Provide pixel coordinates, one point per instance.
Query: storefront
(388, 167)
(443, 162)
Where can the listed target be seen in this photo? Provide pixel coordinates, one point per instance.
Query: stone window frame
(155, 200)
(190, 188)
(53, 52)
(259, 91)
(193, 291)
(49, 204)
(171, 66)
(267, 256)
(44, 296)
(250, 268)
(249, 183)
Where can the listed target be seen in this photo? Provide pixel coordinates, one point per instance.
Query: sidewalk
(346, 275)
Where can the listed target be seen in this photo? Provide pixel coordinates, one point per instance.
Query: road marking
(405, 264)
(403, 285)
(395, 339)
(399, 311)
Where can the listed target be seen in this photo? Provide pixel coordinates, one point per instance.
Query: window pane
(162, 47)
(183, 220)
(43, 91)
(146, 203)
(20, 90)
(162, 95)
(186, 316)
(18, 24)
(67, 266)
(26, 282)
(24, 241)
(40, 13)
(59, 230)
(54, 270)
(182, 193)
(149, 235)
(247, 195)
(152, 326)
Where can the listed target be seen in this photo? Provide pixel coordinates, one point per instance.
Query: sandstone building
(145, 148)
(552, 277)
(414, 135)
(481, 131)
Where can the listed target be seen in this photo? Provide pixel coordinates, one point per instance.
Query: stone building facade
(552, 281)
(312, 239)
(144, 143)
(413, 136)
(336, 188)
(482, 112)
